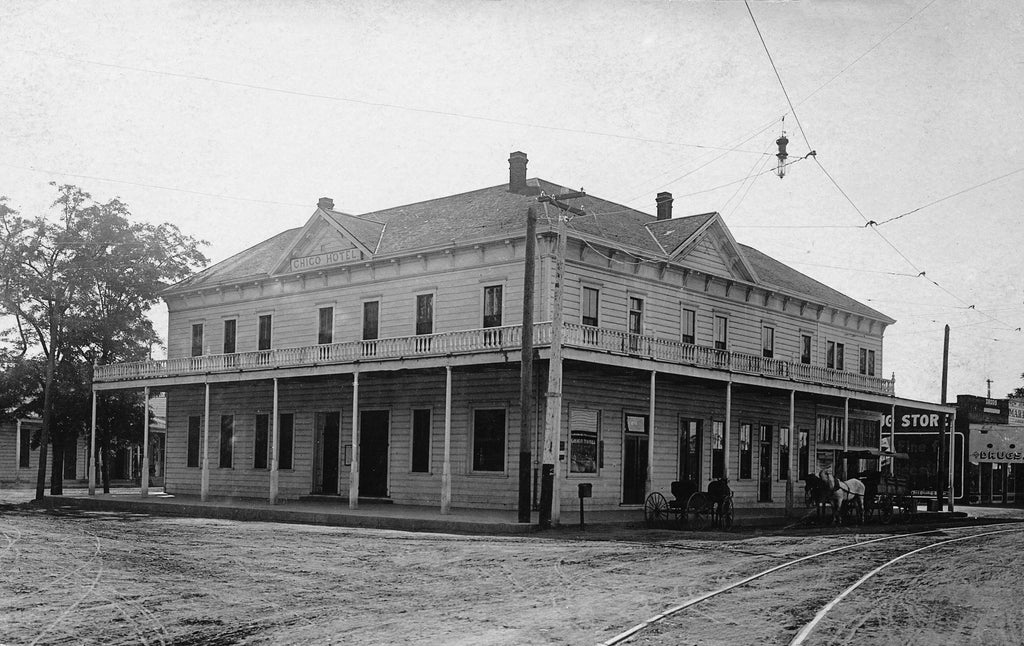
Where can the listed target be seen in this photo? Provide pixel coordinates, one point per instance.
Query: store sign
(1016, 417)
(917, 421)
(996, 443)
(321, 260)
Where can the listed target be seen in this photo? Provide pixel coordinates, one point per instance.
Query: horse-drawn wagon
(692, 507)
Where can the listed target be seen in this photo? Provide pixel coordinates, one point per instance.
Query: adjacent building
(377, 356)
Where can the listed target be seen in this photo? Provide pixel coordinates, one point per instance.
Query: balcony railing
(507, 339)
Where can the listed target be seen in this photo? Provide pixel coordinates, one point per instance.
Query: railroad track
(878, 564)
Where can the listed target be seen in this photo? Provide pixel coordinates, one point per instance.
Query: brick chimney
(326, 203)
(517, 172)
(664, 201)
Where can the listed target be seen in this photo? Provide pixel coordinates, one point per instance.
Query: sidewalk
(415, 518)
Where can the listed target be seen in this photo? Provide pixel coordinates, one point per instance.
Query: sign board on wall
(997, 443)
(1016, 412)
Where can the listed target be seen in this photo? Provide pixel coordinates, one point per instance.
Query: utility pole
(549, 504)
(526, 370)
(940, 486)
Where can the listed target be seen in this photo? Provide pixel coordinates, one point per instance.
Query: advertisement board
(997, 443)
(922, 468)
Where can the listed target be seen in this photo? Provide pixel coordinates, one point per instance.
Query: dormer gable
(330, 238)
(709, 248)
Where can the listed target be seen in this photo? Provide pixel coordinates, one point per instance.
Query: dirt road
(70, 577)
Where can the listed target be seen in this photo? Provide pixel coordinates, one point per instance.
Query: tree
(78, 284)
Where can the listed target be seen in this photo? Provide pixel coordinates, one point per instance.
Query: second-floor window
(636, 315)
(197, 339)
(229, 336)
(265, 327)
(721, 332)
(425, 314)
(689, 326)
(805, 349)
(768, 342)
(371, 320)
(492, 306)
(325, 326)
(867, 362)
(834, 355)
(591, 301)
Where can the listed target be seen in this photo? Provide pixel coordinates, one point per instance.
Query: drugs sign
(996, 443)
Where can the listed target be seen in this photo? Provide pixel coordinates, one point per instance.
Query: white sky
(231, 119)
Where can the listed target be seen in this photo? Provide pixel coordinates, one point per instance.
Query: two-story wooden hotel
(378, 357)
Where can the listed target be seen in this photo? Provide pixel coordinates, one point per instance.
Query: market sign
(996, 443)
(1016, 416)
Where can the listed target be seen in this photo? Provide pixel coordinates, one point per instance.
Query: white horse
(843, 492)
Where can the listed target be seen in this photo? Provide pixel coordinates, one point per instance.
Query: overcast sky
(230, 119)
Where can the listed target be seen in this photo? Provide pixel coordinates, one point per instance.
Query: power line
(943, 199)
(778, 76)
(375, 104)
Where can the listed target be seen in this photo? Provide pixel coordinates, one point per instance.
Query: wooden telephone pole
(550, 508)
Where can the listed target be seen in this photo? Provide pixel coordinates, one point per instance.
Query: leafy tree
(78, 283)
(1018, 392)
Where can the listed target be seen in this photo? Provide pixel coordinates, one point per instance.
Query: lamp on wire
(782, 155)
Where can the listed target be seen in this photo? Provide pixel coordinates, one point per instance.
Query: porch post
(892, 442)
(353, 480)
(446, 469)
(145, 443)
(649, 482)
(204, 487)
(846, 436)
(791, 481)
(728, 430)
(92, 449)
(275, 439)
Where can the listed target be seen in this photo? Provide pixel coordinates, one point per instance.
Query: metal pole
(353, 479)
(92, 449)
(892, 442)
(952, 464)
(526, 370)
(846, 436)
(145, 443)
(446, 470)
(790, 483)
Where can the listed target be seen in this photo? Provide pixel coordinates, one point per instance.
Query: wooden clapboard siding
(10, 471)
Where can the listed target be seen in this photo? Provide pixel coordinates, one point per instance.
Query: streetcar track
(657, 618)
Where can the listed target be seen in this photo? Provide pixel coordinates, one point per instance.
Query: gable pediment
(326, 242)
(713, 250)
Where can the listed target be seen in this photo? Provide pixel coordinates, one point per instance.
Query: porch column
(446, 469)
(790, 481)
(728, 430)
(952, 462)
(353, 480)
(204, 487)
(145, 443)
(649, 482)
(275, 439)
(846, 434)
(92, 449)
(892, 442)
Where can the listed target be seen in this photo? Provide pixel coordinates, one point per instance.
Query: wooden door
(373, 453)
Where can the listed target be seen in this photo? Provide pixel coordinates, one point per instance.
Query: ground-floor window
(746, 452)
(784, 441)
(421, 440)
(25, 448)
(764, 463)
(261, 441)
(830, 429)
(717, 449)
(584, 426)
(804, 454)
(489, 439)
(689, 450)
(286, 428)
(227, 440)
(192, 441)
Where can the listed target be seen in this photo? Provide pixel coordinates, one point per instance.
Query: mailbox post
(586, 490)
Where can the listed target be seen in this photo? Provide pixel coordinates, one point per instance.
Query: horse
(843, 492)
(718, 492)
(817, 493)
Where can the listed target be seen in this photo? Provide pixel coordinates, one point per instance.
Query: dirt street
(70, 577)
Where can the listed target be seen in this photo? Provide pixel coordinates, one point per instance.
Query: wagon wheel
(698, 510)
(885, 509)
(655, 510)
(728, 514)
